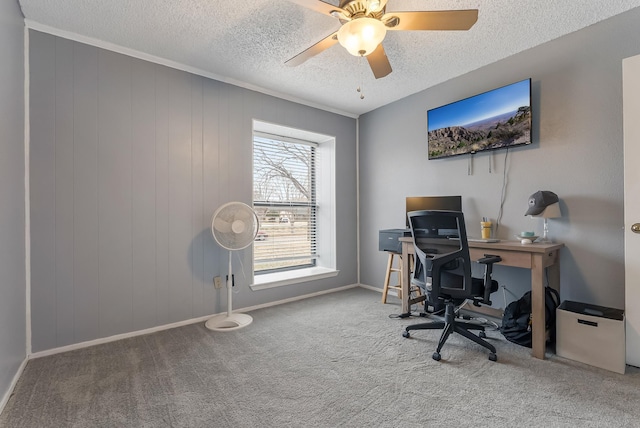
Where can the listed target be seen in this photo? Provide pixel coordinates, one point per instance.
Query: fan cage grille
(234, 225)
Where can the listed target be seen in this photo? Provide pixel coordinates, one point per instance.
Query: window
(284, 197)
(294, 197)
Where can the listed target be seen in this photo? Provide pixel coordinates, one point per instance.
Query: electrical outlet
(217, 282)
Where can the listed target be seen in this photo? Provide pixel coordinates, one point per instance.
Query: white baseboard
(390, 292)
(489, 311)
(372, 288)
(113, 338)
(293, 299)
(14, 382)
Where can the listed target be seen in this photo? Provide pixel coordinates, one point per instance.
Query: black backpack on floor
(516, 320)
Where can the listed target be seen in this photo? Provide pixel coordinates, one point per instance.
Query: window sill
(279, 279)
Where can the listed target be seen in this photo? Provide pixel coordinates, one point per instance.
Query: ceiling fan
(365, 24)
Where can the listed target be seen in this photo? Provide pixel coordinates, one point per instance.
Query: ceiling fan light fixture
(361, 36)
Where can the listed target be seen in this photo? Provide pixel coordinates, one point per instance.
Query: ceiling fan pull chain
(361, 86)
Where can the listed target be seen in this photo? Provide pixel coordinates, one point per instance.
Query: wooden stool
(398, 270)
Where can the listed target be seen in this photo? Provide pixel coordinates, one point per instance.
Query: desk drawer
(509, 258)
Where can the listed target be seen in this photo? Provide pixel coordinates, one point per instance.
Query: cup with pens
(485, 228)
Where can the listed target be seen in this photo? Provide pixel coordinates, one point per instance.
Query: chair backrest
(440, 242)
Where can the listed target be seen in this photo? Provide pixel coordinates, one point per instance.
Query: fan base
(225, 322)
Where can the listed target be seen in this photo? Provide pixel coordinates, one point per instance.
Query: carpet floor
(336, 360)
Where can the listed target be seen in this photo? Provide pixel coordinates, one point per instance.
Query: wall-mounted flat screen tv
(492, 120)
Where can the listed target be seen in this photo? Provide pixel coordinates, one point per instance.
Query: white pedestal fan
(234, 227)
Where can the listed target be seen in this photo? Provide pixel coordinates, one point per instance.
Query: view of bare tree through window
(284, 199)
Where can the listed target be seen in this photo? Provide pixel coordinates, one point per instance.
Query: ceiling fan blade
(431, 20)
(314, 50)
(379, 62)
(321, 6)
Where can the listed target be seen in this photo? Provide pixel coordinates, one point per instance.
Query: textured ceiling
(247, 42)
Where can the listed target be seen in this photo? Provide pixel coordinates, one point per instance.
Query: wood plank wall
(129, 159)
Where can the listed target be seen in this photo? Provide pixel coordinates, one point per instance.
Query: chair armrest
(489, 259)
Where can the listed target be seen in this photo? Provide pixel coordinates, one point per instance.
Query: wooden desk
(535, 257)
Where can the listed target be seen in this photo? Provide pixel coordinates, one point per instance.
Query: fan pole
(229, 288)
(228, 321)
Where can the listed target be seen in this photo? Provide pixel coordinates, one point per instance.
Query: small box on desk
(388, 239)
(591, 334)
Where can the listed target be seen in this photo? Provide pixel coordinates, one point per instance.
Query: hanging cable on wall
(503, 191)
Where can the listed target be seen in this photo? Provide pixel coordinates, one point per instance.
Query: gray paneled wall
(129, 160)
(12, 267)
(576, 152)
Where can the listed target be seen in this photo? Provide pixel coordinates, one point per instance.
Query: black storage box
(388, 239)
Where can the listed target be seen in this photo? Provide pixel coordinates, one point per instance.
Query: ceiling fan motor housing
(360, 8)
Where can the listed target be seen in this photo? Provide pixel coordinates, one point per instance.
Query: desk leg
(553, 273)
(537, 307)
(406, 277)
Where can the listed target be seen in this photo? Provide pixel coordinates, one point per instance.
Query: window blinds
(284, 197)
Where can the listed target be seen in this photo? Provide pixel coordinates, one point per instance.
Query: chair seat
(452, 286)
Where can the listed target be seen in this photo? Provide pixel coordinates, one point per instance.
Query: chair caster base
(493, 357)
(405, 334)
(436, 356)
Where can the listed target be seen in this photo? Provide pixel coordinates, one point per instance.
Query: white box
(591, 334)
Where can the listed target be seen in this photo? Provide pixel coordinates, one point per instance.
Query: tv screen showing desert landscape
(492, 120)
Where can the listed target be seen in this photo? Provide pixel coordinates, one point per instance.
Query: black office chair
(443, 270)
